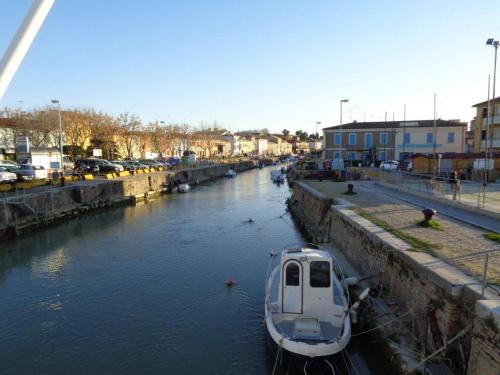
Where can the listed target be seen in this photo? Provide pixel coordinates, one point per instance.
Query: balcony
(495, 144)
(496, 120)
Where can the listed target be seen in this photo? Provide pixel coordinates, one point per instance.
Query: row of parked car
(11, 172)
(101, 166)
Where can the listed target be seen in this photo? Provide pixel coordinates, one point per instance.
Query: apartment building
(484, 121)
(370, 142)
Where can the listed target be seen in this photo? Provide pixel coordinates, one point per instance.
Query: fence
(474, 194)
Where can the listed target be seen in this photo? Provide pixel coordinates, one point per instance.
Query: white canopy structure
(22, 41)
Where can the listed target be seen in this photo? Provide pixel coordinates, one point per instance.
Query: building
(235, 146)
(480, 125)
(315, 145)
(261, 146)
(360, 141)
(417, 137)
(370, 142)
(247, 145)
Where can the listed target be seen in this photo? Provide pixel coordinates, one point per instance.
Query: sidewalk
(475, 219)
(459, 242)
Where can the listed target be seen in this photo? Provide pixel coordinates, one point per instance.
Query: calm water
(140, 290)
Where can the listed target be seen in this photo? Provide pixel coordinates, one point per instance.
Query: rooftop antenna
(22, 41)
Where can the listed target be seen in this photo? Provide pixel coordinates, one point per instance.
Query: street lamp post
(315, 142)
(494, 43)
(341, 132)
(162, 123)
(56, 101)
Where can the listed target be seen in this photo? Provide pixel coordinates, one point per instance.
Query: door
(292, 287)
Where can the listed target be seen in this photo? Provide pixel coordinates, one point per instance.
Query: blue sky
(253, 64)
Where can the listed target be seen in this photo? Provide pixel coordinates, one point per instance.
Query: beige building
(247, 145)
(481, 123)
(375, 141)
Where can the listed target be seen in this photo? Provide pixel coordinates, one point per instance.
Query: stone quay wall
(46, 206)
(445, 304)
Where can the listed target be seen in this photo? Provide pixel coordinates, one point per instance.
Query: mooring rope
(350, 361)
(331, 366)
(345, 362)
(382, 325)
(277, 355)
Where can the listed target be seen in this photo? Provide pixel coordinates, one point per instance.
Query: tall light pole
(56, 101)
(494, 43)
(341, 133)
(315, 142)
(162, 123)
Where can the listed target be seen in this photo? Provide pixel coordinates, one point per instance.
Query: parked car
(28, 172)
(6, 176)
(8, 163)
(67, 163)
(163, 163)
(95, 166)
(389, 164)
(126, 166)
(405, 165)
(150, 163)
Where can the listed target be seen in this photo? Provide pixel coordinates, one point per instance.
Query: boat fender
(108, 202)
(146, 195)
(102, 204)
(94, 205)
(351, 281)
(354, 317)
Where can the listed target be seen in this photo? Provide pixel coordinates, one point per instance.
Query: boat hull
(301, 348)
(292, 363)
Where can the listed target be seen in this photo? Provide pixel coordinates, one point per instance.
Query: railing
(474, 194)
(478, 266)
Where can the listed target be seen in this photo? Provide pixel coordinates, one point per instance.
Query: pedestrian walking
(454, 184)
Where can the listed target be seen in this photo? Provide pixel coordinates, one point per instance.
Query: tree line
(87, 129)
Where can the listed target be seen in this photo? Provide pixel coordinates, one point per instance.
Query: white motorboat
(277, 176)
(230, 173)
(184, 188)
(306, 306)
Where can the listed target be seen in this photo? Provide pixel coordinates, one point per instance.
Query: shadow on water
(142, 289)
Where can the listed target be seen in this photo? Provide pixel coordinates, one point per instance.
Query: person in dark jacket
(454, 183)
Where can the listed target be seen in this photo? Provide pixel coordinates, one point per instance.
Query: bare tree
(131, 127)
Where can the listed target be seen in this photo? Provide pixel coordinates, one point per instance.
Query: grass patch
(433, 224)
(416, 243)
(492, 236)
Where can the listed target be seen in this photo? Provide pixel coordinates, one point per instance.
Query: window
(320, 274)
(484, 112)
(336, 138)
(336, 155)
(429, 138)
(293, 274)
(383, 138)
(368, 140)
(451, 137)
(352, 138)
(383, 155)
(352, 155)
(483, 135)
(407, 138)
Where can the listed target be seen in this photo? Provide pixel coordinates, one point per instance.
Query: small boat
(261, 165)
(277, 176)
(306, 306)
(184, 188)
(230, 173)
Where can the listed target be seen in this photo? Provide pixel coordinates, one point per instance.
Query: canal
(141, 290)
